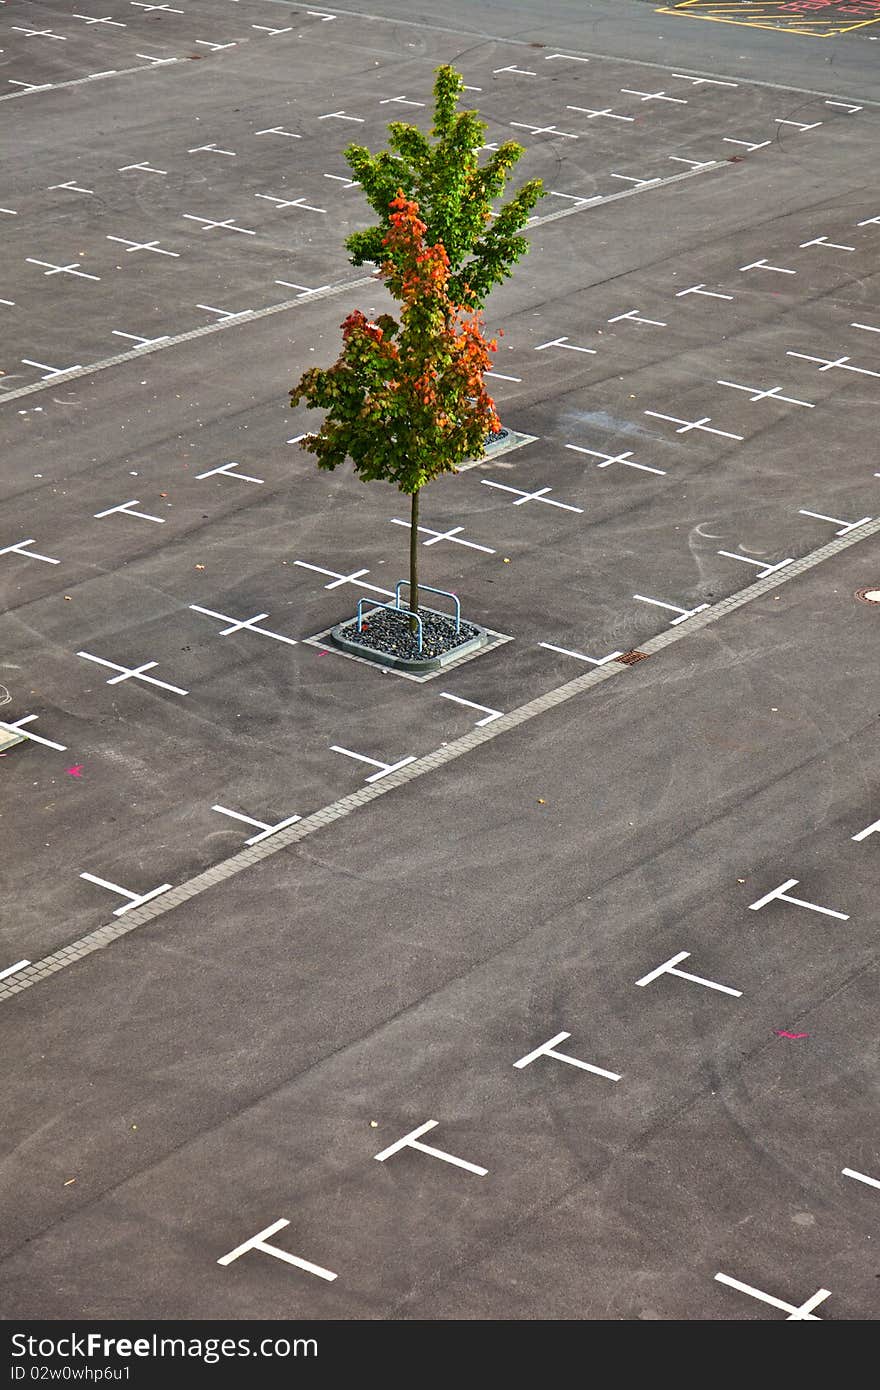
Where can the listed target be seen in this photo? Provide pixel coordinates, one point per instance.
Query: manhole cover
(868, 595)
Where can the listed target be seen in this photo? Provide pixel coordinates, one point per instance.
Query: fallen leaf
(541, 801)
(200, 567)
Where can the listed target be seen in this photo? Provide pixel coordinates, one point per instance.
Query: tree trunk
(414, 558)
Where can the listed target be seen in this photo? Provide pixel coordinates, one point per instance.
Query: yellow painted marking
(769, 16)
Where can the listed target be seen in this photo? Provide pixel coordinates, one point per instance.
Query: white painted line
(669, 968)
(341, 116)
(126, 507)
(633, 314)
(827, 364)
(402, 101)
(697, 81)
(746, 144)
(144, 246)
(795, 1314)
(591, 115)
(288, 284)
(845, 106)
(683, 613)
(137, 338)
(74, 187)
(654, 96)
(631, 178)
(20, 965)
(50, 371)
(228, 470)
(209, 225)
(143, 167)
(563, 342)
(353, 578)
(385, 768)
(762, 565)
(765, 265)
(521, 72)
(774, 393)
(19, 549)
(225, 314)
(863, 834)
(781, 894)
(701, 289)
(279, 130)
(250, 624)
(823, 241)
(211, 149)
(867, 327)
(35, 738)
(263, 826)
(845, 526)
(538, 496)
(544, 130)
(260, 1242)
(453, 534)
(869, 222)
(411, 1141)
(579, 656)
(491, 714)
(688, 425)
(624, 458)
(72, 269)
(270, 32)
(547, 1049)
(116, 24)
(847, 1172)
(499, 376)
(798, 124)
(137, 899)
(136, 673)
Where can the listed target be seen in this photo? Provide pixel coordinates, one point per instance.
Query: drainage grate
(630, 658)
(868, 595)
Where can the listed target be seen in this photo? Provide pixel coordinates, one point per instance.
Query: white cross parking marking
(338, 579)
(259, 1242)
(826, 364)
(765, 265)
(50, 371)
(35, 738)
(384, 768)
(142, 5)
(144, 246)
(236, 625)
(774, 393)
(13, 969)
(136, 672)
(762, 565)
(823, 241)
(654, 96)
(547, 1049)
(781, 894)
(683, 613)
(411, 1141)
(74, 188)
(860, 1177)
(563, 342)
(795, 1314)
(607, 112)
(277, 130)
(263, 826)
(868, 830)
(579, 656)
(538, 496)
(451, 535)
(126, 507)
(211, 149)
(228, 470)
(72, 269)
(845, 526)
(491, 714)
(687, 425)
(701, 289)
(144, 166)
(115, 23)
(625, 458)
(290, 202)
(634, 315)
(137, 899)
(38, 34)
(544, 130)
(669, 968)
(209, 225)
(19, 549)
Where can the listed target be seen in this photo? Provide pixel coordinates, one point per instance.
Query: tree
(454, 194)
(405, 400)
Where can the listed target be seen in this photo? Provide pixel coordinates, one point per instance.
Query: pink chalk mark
(781, 1033)
(75, 771)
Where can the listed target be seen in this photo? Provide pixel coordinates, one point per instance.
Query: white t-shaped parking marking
(823, 241)
(19, 549)
(762, 565)
(260, 1242)
(845, 526)
(547, 1049)
(127, 508)
(137, 899)
(669, 968)
(384, 768)
(634, 315)
(490, 714)
(580, 656)
(781, 894)
(701, 289)
(683, 613)
(411, 1141)
(868, 830)
(228, 470)
(795, 1314)
(765, 265)
(263, 826)
(563, 342)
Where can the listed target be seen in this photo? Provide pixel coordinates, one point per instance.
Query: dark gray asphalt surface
(393, 967)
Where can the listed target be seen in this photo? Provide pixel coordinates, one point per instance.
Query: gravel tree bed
(387, 631)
